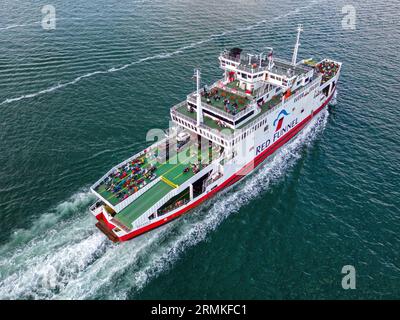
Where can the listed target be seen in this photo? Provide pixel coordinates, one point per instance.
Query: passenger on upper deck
(328, 69)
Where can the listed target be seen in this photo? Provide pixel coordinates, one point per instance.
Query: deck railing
(252, 123)
(143, 219)
(220, 84)
(218, 134)
(117, 207)
(211, 108)
(123, 204)
(237, 132)
(226, 115)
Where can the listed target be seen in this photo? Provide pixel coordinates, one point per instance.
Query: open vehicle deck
(143, 203)
(172, 173)
(166, 169)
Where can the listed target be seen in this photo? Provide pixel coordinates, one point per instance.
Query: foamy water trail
(68, 258)
(33, 23)
(63, 84)
(13, 26)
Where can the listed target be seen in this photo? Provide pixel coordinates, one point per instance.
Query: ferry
(217, 136)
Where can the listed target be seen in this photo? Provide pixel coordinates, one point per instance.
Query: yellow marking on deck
(168, 182)
(178, 164)
(178, 175)
(149, 162)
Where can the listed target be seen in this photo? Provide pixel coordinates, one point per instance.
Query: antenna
(296, 47)
(270, 58)
(197, 75)
(250, 56)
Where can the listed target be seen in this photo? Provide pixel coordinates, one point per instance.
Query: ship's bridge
(251, 71)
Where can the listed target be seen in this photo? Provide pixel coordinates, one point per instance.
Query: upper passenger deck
(249, 89)
(253, 85)
(252, 64)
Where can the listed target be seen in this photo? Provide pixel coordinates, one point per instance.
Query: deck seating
(129, 178)
(328, 69)
(226, 101)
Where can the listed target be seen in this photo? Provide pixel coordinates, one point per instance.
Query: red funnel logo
(279, 119)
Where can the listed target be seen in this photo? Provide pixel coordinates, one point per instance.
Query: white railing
(250, 69)
(227, 56)
(96, 207)
(134, 196)
(208, 106)
(212, 131)
(102, 198)
(222, 113)
(249, 125)
(143, 219)
(220, 84)
(248, 109)
(137, 155)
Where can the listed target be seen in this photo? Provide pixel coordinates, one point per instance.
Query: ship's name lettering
(263, 146)
(277, 135)
(285, 129)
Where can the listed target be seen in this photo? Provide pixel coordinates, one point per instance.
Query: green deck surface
(206, 120)
(242, 102)
(234, 85)
(171, 170)
(213, 124)
(143, 203)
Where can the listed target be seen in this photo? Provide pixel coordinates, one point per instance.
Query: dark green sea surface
(76, 100)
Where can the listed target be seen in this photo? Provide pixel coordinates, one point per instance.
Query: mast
(250, 56)
(198, 97)
(296, 47)
(270, 58)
